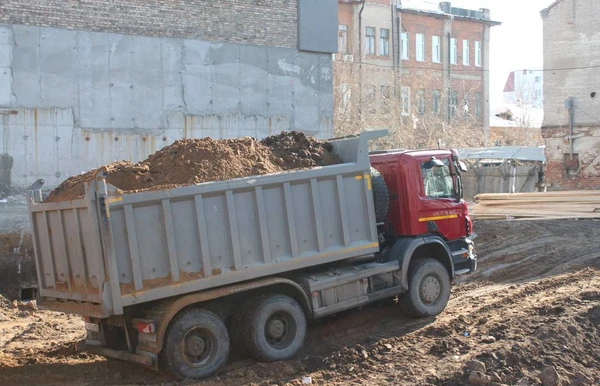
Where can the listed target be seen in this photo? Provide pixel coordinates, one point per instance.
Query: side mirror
(462, 166)
(433, 162)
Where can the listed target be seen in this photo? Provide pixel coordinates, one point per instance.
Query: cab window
(437, 181)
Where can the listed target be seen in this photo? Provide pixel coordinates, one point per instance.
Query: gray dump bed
(108, 251)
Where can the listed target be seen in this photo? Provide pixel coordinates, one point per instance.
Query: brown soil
(192, 161)
(532, 308)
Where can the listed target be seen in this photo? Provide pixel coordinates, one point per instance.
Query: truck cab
(426, 205)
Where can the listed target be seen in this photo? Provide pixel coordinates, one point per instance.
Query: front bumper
(465, 258)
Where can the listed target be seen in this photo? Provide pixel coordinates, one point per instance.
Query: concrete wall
(73, 100)
(571, 46)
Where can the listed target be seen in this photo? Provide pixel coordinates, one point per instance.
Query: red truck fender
(407, 249)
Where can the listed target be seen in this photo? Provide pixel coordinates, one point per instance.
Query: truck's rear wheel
(275, 328)
(196, 344)
(428, 289)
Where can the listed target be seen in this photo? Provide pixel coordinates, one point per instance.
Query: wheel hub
(276, 328)
(194, 345)
(430, 289)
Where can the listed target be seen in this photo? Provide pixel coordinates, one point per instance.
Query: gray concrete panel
(94, 80)
(147, 83)
(26, 66)
(225, 77)
(172, 68)
(306, 93)
(317, 25)
(197, 95)
(7, 42)
(5, 86)
(253, 81)
(6, 58)
(121, 65)
(282, 73)
(58, 68)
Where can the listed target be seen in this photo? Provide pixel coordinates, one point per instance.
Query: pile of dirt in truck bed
(192, 161)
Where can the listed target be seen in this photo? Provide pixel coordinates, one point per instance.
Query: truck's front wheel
(196, 345)
(428, 288)
(275, 328)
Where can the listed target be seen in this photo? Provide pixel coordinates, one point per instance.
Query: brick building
(422, 73)
(84, 83)
(571, 127)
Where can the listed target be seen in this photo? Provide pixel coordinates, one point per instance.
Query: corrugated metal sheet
(505, 152)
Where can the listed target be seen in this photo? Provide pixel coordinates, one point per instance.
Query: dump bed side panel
(171, 244)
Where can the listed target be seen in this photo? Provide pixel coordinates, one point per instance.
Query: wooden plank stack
(543, 205)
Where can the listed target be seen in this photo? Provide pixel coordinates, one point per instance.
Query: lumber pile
(546, 205)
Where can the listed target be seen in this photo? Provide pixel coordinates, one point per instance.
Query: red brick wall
(586, 145)
(272, 22)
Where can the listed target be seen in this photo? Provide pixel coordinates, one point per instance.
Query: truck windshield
(437, 181)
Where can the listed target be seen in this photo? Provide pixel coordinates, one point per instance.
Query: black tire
(196, 344)
(275, 328)
(381, 196)
(428, 289)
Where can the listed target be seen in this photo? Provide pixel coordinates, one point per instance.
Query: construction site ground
(529, 316)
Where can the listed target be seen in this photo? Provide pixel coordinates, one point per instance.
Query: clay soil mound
(192, 161)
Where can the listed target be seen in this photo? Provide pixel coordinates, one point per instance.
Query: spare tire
(381, 196)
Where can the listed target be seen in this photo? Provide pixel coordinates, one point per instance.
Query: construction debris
(546, 205)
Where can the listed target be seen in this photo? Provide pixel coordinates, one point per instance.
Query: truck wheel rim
(199, 347)
(280, 330)
(430, 289)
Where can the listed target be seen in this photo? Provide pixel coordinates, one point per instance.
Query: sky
(514, 45)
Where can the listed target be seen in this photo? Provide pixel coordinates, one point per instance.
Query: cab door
(440, 209)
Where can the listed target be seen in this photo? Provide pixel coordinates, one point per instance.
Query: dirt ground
(529, 316)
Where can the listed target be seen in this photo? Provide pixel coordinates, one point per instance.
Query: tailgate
(68, 250)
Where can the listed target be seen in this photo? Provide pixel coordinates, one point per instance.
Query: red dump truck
(177, 276)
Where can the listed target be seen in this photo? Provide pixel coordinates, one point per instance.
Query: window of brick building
(420, 46)
(436, 49)
(478, 54)
(465, 106)
(370, 41)
(478, 104)
(421, 102)
(453, 51)
(404, 45)
(453, 103)
(384, 42)
(343, 38)
(436, 101)
(405, 100)
(466, 52)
